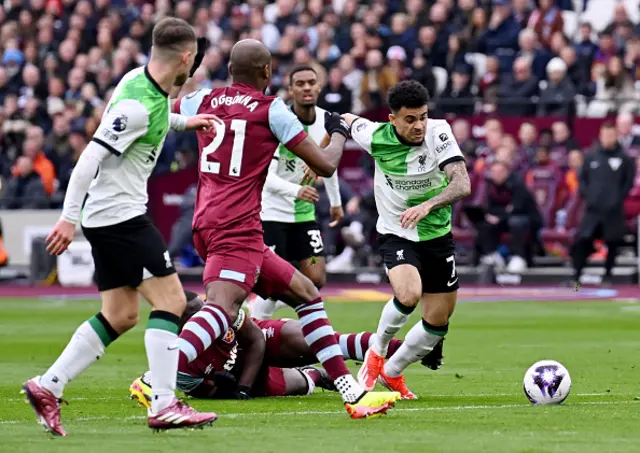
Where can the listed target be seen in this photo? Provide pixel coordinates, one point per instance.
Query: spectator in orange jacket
(571, 181)
(32, 148)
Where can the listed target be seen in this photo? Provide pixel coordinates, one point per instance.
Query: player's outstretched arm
(252, 342)
(325, 162)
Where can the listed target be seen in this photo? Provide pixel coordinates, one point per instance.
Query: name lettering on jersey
(245, 100)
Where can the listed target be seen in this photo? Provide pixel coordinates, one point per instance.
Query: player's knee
(409, 297)
(174, 301)
(122, 320)
(319, 280)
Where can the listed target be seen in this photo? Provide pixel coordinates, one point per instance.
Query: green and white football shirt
(406, 176)
(285, 208)
(133, 128)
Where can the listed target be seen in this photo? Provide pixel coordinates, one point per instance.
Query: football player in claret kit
(234, 161)
(287, 369)
(130, 255)
(419, 173)
(288, 212)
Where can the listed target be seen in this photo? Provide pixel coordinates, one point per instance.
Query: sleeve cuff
(107, 146)
(449, 161)
(296, 140)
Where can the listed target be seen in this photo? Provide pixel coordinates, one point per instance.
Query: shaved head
(251, 63)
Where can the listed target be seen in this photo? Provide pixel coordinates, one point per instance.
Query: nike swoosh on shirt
(452, 283)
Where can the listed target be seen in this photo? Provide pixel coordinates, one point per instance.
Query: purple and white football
(547, 382)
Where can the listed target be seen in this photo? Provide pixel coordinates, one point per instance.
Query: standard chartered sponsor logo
(409, 184)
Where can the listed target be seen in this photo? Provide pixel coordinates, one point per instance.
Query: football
(547, 382)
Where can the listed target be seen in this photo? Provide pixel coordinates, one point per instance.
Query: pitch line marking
(298, 413)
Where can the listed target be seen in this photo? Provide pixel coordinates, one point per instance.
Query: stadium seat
(570, 19)
(442, 78)
(575, 208)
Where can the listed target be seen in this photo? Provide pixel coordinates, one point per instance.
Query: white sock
(418, 343)
(349, 388)
(262, 308)
(84, 348)
(160, 341)
(265, 308)
(391, 321)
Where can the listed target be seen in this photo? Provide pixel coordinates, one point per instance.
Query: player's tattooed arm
(251, 340)
(459, 186)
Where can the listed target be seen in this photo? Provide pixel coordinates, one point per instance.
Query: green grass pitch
(473, 404)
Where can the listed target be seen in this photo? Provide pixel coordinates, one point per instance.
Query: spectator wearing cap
(457, 97)
(501, 36)
(33, 148)
(546, 20)
(12, 61)
(25, 189)
(376, 82)
(515, 93)
(335, 96)
(557, 98)
(531, 49)
(396, 58)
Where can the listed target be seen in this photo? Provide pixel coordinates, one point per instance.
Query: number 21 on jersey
(235, 165)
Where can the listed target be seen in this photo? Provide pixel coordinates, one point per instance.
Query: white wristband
(178, 122)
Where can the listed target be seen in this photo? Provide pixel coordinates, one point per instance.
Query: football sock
(419, 342)
(85, 347)
(205, 327)
(394, 316)
(321, 338)
(160, 341)
(265, 308)
(355, 345)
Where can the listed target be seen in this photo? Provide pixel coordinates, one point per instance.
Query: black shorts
(294, 242)
(127, 253)
(434, 259)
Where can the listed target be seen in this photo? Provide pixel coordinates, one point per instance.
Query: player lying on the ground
(228, 234)
(286, 368)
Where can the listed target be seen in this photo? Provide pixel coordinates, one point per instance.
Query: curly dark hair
(408, 93)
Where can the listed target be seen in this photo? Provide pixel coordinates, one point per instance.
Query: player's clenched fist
(333, 122)
(60, 237)
(308, 193)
